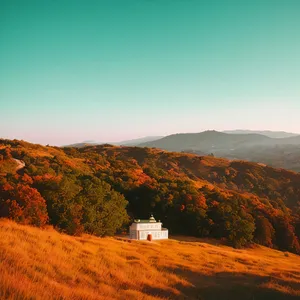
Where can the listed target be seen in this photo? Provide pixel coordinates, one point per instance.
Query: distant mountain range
(83, 144)
(214, 141)
(248, 136)
(271, 134)
(277, 152)
(136, 142)
(275, 148)
(133, 142)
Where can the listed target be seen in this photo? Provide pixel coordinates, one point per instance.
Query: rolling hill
(44, 264)
(136, 142)
(208, 141)
(76, 189)
(268, 133)
(133, 142)
(83, 144)
(276, 149)
(276, 152)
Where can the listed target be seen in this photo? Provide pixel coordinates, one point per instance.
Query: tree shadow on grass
(224, 286)
(210, 241)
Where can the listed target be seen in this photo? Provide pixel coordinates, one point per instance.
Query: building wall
(143, 234)
(156, 234)
(133, 234)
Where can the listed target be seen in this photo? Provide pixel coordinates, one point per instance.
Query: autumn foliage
(28, 206)
(98, 189)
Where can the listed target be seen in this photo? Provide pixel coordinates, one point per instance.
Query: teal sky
(114, 70)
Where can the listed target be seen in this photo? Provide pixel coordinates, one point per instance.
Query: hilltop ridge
(269, 133)
(215, 140)
(274, 149)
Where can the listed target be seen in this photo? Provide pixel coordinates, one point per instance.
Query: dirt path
(20, 163)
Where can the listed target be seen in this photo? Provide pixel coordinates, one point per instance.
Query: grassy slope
(44, 264)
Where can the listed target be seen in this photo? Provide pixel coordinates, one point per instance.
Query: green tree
(286, 238)
(240, 230)
(63, 210)
(264, 231)
(233, 222)
(103, 209)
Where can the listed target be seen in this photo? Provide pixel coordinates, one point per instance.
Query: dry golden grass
(44, 264)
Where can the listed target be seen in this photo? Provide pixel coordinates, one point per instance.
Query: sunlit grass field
(44, 264)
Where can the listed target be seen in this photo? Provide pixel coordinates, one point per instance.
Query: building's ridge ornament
(151, 219)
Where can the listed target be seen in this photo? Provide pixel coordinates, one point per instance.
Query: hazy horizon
(118, 70)
(132, 138)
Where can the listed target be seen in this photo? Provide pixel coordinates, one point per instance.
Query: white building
(140, 229)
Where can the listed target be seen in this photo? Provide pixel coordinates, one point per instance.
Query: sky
(111, 70)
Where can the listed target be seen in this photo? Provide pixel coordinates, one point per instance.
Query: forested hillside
(98, 189)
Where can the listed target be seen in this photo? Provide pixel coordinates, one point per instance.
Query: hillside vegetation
(44, 264)
(98, 189)
(279, 156)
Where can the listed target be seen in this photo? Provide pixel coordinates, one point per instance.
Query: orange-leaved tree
(28, 206)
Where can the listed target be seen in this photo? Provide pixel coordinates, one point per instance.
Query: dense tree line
(47, 191)
(98, 189)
